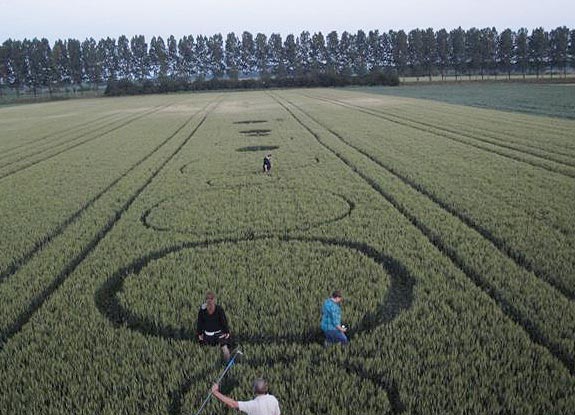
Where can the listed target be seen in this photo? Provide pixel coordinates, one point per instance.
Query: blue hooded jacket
(331, 315)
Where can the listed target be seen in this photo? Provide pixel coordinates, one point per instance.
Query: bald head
(260, 386)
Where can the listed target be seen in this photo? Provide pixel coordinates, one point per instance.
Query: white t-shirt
(261, 405)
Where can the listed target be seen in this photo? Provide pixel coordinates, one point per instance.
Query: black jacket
(212, 322)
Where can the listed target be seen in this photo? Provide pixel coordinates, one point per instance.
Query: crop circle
(246, 211)
(336, 390)
(271, 289)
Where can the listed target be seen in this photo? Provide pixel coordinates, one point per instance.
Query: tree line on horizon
(36, 64)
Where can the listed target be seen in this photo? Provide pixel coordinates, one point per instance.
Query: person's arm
(339, 326)
(336, 316)
(224, 322)
(225, 399)
(200, 326)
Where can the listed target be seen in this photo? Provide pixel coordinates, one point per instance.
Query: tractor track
(73, 146)
(8, 152)
(517, 257)
(561, 229)
(511, 137)
(568, 169)
(35, 304)
(18, 263)
(506, 307)
(61, 140)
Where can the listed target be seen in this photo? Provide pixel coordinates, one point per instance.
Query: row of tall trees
(38, 64)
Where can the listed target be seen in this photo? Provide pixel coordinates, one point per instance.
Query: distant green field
(450, 230)
(554, 100)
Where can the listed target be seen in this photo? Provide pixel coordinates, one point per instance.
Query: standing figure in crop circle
(268, 163)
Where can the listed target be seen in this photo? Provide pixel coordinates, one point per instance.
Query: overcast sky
(80, 19)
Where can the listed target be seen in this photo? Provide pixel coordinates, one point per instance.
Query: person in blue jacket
(331, 320)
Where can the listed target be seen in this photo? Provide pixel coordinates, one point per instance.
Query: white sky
(80, 19)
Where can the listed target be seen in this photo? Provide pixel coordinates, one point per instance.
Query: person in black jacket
(212, 326)
(268, 163)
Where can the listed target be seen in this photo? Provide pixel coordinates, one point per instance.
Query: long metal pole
(219, 379)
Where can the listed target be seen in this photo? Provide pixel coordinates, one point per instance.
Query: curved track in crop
(397, 298)
(17, 263)
(38, 300)
(535, 332)
(346, 206)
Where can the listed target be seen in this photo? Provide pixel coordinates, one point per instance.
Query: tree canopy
(37, 64)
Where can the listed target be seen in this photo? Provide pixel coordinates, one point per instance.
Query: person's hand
(225, 336)
(201, 337)
(215, 388)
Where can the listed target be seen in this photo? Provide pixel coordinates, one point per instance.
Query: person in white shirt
(262, 404)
